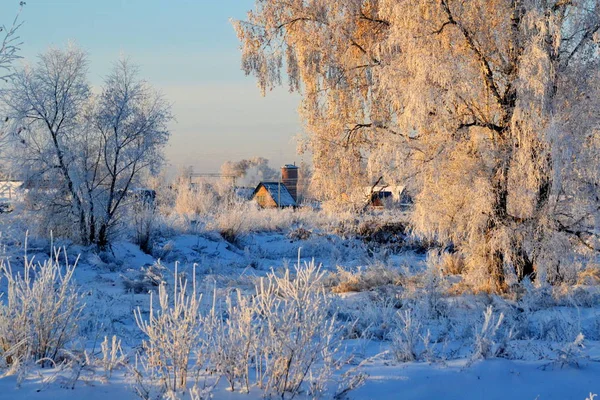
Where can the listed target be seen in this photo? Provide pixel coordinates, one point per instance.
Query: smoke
(251, 171)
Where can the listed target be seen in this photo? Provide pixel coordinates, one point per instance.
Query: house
(273, 195)
(385, 196)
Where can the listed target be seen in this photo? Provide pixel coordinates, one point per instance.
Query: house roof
(278, 192)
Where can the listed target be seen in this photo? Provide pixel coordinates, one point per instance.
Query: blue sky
(187, 49)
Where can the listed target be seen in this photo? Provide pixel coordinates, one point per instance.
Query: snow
(530, 370)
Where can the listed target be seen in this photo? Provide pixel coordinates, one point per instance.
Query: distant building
(384, 196)
(273, 195)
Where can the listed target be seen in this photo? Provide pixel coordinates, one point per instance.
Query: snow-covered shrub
(435, 284)
(535, 298)
(232, 339)
(195, 200)
(486, 341)
(571, 354)
(298, 338)
(383, 232)
(231, 222)
(40, 314)
(148, 278)
(370, 316)
(406, 336)
(112, 355)
(172, 331)
(143, 220)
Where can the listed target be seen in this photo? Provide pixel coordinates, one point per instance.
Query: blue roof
(279, 193)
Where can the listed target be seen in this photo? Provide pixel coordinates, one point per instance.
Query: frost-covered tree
(250, 171)
(46, 103)
(131, 118)
(486, 108)
(80, 153)
(9, 53)
(9, 46)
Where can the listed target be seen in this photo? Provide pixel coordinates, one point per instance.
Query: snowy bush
(194, 201)
(40, 314)
(571, 354)
(233, 339)
(232, 222)
(406, 336)
(299, 233)
(143, 220)
(435, 285)
(283, 339)
(486, 341)
(372, 316)
(172, 331)
(590, 275)
(112, 355)
(383, 232)
(148, 278)
(298, 338)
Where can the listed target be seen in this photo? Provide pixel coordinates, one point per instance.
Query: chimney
(289, 177)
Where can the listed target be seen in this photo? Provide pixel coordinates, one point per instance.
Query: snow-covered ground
(406, 333)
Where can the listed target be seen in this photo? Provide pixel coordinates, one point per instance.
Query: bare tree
(10, 45)
(132, 120)
(485, 108)
(82, 154)
(46, 104)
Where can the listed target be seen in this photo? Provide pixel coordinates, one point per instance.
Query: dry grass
(363, 279)
(589, 276)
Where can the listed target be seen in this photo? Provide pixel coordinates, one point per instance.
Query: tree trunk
(92, 226)
(523, 264)
(496, 272)
(498, 219)
(102, 241)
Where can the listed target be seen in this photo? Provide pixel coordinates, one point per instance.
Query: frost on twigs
(407, 336)
(172, 329)
(570, 355)
(40, 314)
(299, 339)
(488, 338)
(284, 340)
(484, 110)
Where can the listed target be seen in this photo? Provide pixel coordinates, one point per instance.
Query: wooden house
(273, 195)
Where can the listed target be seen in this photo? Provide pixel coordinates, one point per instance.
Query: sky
(189, 51)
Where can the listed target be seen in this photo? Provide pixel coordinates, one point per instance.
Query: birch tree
(10, 45)
(80, 153)
(46, 104)
(486, 108)
(131, 119)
